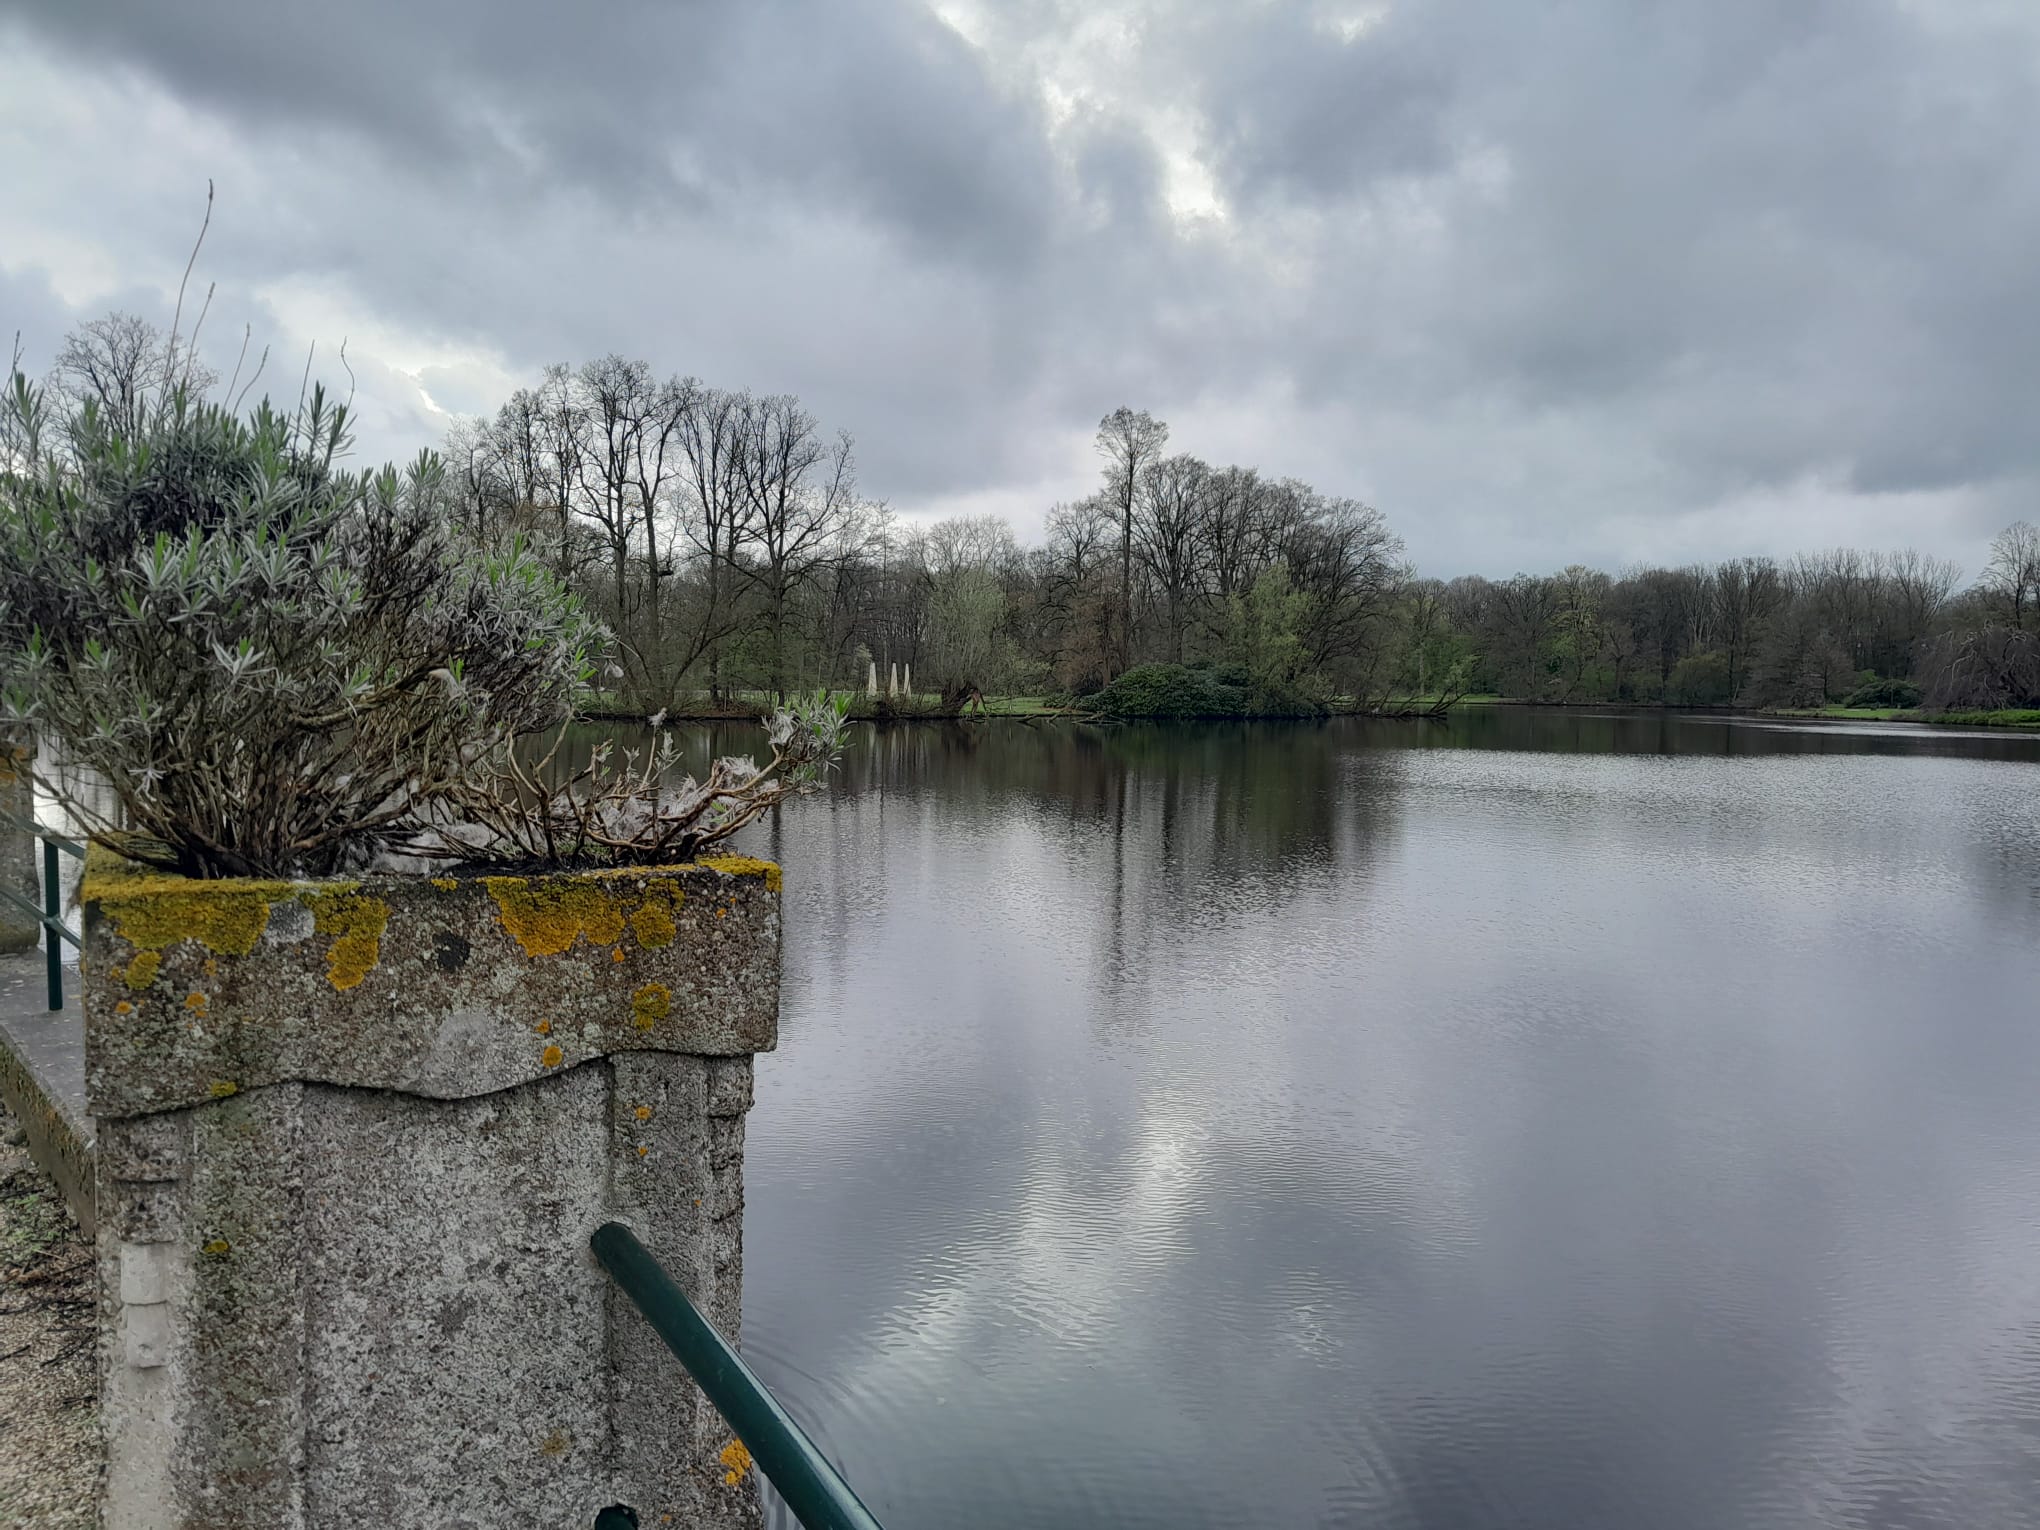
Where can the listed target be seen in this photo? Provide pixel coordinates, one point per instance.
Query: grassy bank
(752, 706)
(2018, 719)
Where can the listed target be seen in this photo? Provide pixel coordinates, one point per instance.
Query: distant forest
(724, 538)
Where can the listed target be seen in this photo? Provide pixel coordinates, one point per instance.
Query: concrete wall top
(445, 987)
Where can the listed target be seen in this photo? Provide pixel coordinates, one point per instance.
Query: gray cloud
(1590, 280)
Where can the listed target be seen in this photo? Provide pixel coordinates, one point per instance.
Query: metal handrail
(812, 1488)
(51, 915)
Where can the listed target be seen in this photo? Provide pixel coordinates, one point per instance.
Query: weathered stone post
(353, 1138)
(18, 847)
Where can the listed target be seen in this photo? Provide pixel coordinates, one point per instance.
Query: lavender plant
(276, 665)
(627, 807)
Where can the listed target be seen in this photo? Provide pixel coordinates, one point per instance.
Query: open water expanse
(1534, 1120)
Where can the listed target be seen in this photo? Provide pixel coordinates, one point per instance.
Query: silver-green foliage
(278, 666)
(638, 809)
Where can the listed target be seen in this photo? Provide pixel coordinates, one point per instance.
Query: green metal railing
(51, 915)
(812, 1488)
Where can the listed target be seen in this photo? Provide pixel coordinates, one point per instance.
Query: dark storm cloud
(860, 103)
(1295, 113)
(1580, 279)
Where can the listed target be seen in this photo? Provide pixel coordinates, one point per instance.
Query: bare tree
(1746, 592)
(714, 436)
(1074, 590)
(1579, 596)
(121, 365)
(799, 490)
(1347, 565)
(2013, 572)
(630, 457)
(1128, 441)
(1243, 517)
(553, 415)
(1916, 592)
(1168, 522)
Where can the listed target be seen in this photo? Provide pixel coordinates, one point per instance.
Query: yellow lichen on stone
(155, 909)
(651, 1004)
(544, 1027)
(194, 1000)
(446, 884)
(551, 1056)
(546, 918)
(218, 1248)
(738, 1460)
(123, 1007)
(652, 920)
(643, 1112)
(141, 972)
(220, 1088)
(744, 866)
(558, 1443)
(356, 922)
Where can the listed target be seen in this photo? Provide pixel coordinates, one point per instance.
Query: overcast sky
(1582, 280)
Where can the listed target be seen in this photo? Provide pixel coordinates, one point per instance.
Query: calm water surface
(1540, 1120)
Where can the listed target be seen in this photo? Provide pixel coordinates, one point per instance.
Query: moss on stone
(651, 1004)
(652, 920)
(356, 921)
(154, 909)
(735, 1457)
(228, 920)
(547, 917)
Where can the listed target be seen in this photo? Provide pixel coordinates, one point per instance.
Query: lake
(1539, 1119)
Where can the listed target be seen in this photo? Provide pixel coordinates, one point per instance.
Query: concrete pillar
(20, 851)
(353, 1138)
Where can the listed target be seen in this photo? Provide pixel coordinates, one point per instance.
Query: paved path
(42, 1074)
(49, 1435)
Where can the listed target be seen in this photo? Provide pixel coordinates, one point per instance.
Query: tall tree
(2013, 572)
(1128, 440)
(799, 492)
(1746, 592)
(123, 365)
(715, 428)
(1168, 520)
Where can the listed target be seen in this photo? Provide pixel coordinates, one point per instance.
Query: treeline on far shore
(723, 537)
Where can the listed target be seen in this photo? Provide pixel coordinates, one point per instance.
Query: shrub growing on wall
(275, 664)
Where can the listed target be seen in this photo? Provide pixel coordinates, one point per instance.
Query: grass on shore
(2021, 719)
(741, 705)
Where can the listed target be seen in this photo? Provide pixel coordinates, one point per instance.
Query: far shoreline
(1036, 709)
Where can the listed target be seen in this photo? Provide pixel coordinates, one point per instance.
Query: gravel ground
(49, 1428)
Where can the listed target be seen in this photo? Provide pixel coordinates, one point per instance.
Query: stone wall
(353, 1139)
(20, 851)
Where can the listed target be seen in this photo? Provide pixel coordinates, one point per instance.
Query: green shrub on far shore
(1900, 694)
(1181, 692)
